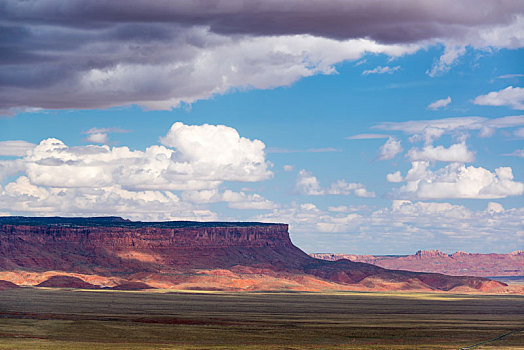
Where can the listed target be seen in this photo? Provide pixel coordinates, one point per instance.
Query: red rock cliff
(144, 248)
(172, 250)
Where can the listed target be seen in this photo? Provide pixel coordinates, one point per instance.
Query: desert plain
(54, 318)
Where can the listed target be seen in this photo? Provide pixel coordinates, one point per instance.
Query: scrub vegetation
(42, 318)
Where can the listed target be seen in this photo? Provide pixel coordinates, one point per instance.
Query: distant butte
(456, 264)
(113, 252)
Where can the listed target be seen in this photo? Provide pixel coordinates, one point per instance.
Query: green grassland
(39, 318)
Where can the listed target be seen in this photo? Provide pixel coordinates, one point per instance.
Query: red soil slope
(66, 282)
(185, 255)
(7, 285)
(457, 264)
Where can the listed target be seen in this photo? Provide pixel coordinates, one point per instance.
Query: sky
(377, 127)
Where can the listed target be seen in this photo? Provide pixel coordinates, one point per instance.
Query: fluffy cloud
(455, 153)
(307, 184)
(405, 226)
(235, 200)
(304, 217)
(494, 224)
(11, 167)
(390, 149)
(394, 177)
(510, 96)
(217, 152)
(92, 180)
(345, 209)
(15, 148)
(97, 54)
(197, 157)
(381, 70)
(98, 137)
(458, 181)
(21, 196)
(440, 103)
(345, 188)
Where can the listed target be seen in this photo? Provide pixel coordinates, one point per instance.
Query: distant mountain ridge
(456, 264)
(111, 251)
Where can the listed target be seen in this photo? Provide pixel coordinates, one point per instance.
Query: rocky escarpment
(456, 264)
(131, 247)
(112, 251)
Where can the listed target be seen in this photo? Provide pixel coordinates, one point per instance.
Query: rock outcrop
(132, 247)
(233, 256)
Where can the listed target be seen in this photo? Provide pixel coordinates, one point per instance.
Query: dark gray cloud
(93, 54)
(386, 21)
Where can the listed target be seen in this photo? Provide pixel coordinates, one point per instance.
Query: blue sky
(364, 140)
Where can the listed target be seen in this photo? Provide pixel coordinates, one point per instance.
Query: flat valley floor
(39, 318)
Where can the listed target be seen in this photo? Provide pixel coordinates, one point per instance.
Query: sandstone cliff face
(143, 248)
(147, 237)
(240, 256)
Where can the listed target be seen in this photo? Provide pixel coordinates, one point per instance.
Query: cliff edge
(191, 255)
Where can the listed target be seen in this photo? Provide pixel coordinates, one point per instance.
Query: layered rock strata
(192, 254)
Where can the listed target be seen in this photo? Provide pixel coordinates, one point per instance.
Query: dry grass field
(39, 318)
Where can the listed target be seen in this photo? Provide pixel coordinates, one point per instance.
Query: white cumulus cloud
(236, 200)
(390, 149)
(405, 226)
(98, 137)
(394, 177)
(90, 180)
(197, 157)
(510, 96)
(458, 181)
(455, 153)
(308, 184)
(23, 197)
(218, 151)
